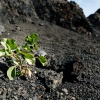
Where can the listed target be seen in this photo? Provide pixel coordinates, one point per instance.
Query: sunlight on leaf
(2, 53)
(31, 39)
(43, 60)
(29, 58)
(11, 43)
(11, 73)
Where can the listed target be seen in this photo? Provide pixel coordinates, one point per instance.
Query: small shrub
(21, 58)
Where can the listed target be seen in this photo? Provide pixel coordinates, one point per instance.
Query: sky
(88, 6)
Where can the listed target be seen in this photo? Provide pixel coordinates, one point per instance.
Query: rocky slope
(95, 19)
(73, 70)
(60, 12)
(14, 11)
(65, 14)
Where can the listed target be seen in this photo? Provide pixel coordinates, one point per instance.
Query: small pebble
(41, 53)
(73, 98)
(0, 33)
(72, 90)
(30, 99)
(35, 98)
(33, 84)
(15, 97)
(65, 91)
(18, 28)
(2, 29)
(34, 23)
(61, 93)
(41, 24)
(8, 34)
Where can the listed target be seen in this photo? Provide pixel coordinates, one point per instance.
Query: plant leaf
(31, 39)
(35, 46)
(15, 62)
(11, 43)
(8, 50)
(29, 58)
(34, 37)
(11, 73)
(26, 48)
(2, 52)
(43, 60)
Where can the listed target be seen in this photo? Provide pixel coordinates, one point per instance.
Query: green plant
(22, 57)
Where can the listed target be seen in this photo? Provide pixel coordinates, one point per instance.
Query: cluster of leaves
(21, 57)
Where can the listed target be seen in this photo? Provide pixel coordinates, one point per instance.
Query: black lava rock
(63, 13)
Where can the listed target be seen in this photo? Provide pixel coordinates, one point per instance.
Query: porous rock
(50, 79)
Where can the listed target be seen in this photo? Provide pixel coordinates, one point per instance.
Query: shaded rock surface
(12, 11)
(95, 19)
(63, 13)
(60, 12)
(50, 79)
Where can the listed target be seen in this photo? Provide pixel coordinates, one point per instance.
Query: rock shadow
(72, 70)
(3, 68)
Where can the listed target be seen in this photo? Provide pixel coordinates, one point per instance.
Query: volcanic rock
(63, 13)
(60, 12)
(50, 79)
(95, 19)
(13, 11)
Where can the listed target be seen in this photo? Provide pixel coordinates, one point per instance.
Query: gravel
(55, 82)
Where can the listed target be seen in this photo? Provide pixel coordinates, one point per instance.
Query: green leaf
(9, 44)
(36, 46)
(26, 48)
(31, 39)
(34, 37)
(43, 60)
(29, 58)
(19, 73)
(11, 73)
(9, 61)
(30, 61)
(12, 44)
(15, 62)
(8, 50)
(2, 53)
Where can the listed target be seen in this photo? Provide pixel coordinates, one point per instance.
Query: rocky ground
(73, 70)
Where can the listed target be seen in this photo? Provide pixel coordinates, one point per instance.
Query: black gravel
(72, 73)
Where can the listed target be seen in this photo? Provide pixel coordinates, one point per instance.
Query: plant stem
(18, 59)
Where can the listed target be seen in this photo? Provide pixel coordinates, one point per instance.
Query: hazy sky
(88, 6)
